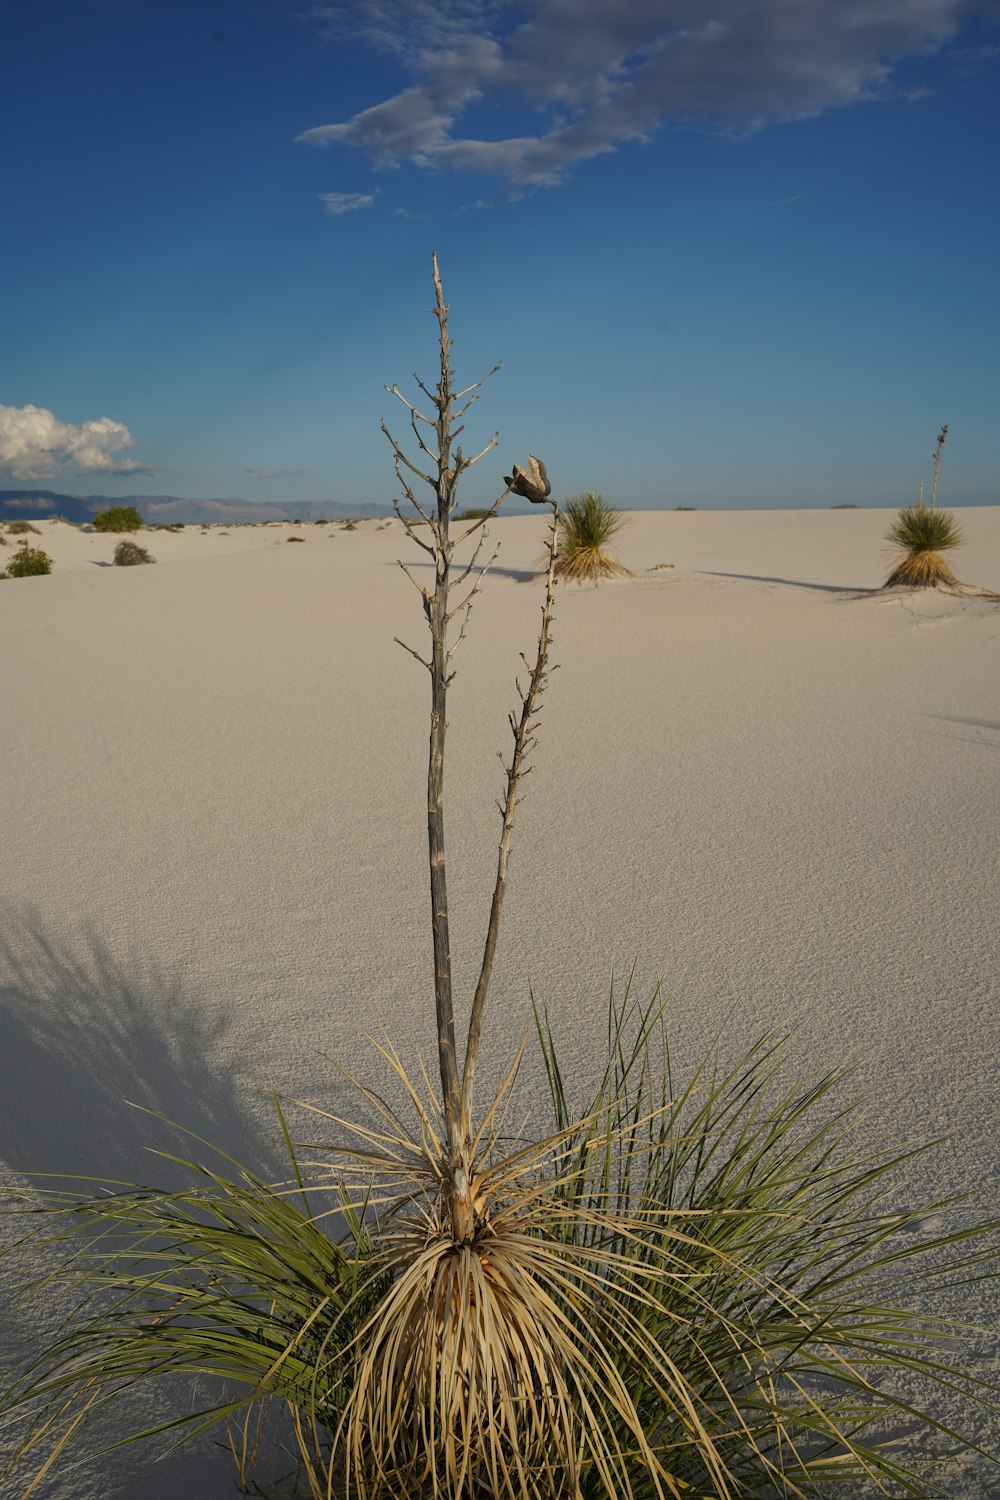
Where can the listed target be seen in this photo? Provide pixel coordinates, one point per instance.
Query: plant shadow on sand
(80, 1034)
(792, 583)
(519, 575)
(82, 1030)
(985, 732)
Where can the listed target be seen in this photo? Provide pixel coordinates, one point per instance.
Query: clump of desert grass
(586, 524)
(22, 528)
(131, 555)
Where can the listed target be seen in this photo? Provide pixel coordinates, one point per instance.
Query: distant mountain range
(38, 505)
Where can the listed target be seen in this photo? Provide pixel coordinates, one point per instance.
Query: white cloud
(34, 444)
(346, 203)
(604, 72)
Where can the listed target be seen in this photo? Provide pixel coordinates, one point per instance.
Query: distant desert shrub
(922, 535)
(22, 528)
(587, 522)
(63, 520)
(349, 526)
(294, 538)
(684, 507)
(475, 513)
(165, 526)
(118, 518)
(130, 555)
(29, 562)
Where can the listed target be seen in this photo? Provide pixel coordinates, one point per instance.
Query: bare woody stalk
(937, 465)
(446, 465)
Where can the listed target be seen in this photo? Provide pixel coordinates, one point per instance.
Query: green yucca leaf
(920, 529)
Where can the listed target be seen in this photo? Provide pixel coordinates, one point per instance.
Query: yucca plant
(687, 1292)
(586, 525)
(697, 1289)
(922, 535)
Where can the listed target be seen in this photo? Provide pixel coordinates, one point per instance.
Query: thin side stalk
(523, 730)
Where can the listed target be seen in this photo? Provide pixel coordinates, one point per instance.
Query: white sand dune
(778, 797)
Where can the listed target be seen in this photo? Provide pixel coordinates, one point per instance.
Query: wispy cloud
(606, 72)
(471, 208)
(35, 444)
(345, 203)
(271, 473)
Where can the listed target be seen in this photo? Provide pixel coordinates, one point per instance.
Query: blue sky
(730, 252)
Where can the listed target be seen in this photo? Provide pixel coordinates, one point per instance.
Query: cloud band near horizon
(35, 444)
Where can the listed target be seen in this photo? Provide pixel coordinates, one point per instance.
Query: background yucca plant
(586, 525)
(682, 1291)
(922, 535)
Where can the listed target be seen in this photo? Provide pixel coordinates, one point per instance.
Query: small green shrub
(349, 526)
(475, 513)
(29, 562)
(118, 518)
(130, 554)
(684, 507)
(22, 528)
(294, 538)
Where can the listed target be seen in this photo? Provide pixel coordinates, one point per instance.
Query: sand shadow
(991, 726)
(973, 723)
(519, 575)
(81, 1030)
(80, 1034)
(792, 583)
